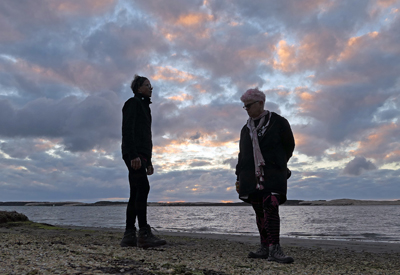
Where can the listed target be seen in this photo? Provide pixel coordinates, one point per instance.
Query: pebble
(98, 252)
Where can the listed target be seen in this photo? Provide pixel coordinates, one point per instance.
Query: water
(357, 223)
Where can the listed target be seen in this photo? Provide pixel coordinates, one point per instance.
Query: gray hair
(253, 94)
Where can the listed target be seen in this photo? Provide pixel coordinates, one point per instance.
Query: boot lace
(262, 250)
(278, 252)
(150, 233)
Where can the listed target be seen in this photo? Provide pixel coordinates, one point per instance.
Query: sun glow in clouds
(169, 73)
(186, 155)
(193, 19)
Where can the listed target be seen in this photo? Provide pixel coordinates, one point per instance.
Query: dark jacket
(136, 128)
(277, 145)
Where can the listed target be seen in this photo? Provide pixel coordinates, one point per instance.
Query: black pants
(139, 191)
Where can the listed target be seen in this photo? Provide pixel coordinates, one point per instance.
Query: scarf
(254, 133)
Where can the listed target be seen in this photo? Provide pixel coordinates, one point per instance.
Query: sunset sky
(332, 68)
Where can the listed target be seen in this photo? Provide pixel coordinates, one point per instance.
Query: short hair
(137, 83)
(253, 94)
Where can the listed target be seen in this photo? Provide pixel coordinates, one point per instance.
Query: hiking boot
(276, 254)
(261, 253)
(146, 238)
(129, 238)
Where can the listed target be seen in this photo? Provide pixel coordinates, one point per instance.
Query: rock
(7, 216)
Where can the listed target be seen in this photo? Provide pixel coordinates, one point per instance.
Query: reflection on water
(363, 223)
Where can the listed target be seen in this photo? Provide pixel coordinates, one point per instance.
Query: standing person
(266, 145)
(137, 148)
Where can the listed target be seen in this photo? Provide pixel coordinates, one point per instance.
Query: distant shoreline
(337, 202)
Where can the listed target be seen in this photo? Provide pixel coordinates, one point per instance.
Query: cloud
(199, 163)
(331, 184)
(82, 125)
(197, 121)
(309, 143)
(331, 68)
(231, 162)
(171, 74)
(382, 144)
(359, 83)
(193, 185)
(357, 165)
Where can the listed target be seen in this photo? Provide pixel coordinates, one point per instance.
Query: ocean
(376, 223)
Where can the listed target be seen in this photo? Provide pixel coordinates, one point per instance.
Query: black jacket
(136, 128)
(277, 145)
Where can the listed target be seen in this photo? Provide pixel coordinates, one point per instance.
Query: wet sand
(358, 246)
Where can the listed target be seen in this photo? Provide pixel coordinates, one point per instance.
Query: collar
(264, 113)
(143, 98)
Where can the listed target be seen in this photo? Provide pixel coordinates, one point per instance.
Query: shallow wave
(316, 222)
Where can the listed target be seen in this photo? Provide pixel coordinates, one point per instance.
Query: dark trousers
(139, 191)
(266, 207)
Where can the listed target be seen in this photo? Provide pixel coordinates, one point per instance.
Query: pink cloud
(82, 7)
(181, 97)
(309, 144)
(171, 74)
(286, 57)
(192, 19)
(382, 145)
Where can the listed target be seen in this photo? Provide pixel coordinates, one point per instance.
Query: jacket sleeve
(239, 164)
(287, 138)
(238, 168)
(129, 117)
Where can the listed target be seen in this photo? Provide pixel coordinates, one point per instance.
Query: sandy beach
(31, 248)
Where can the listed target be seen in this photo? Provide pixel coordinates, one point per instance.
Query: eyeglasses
(247, 106)
(149, 86)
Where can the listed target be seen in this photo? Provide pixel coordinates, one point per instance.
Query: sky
(331, 67)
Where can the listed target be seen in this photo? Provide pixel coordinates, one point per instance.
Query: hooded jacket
(136, 128)
(276, 145)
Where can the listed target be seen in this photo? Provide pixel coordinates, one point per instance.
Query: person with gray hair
(266, 145)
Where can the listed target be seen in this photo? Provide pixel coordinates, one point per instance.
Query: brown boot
(129, 238)
(261, 253)
(146, 238)
(276, 254)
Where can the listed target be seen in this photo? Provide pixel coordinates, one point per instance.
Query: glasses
(148, 86)
(247, 106)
